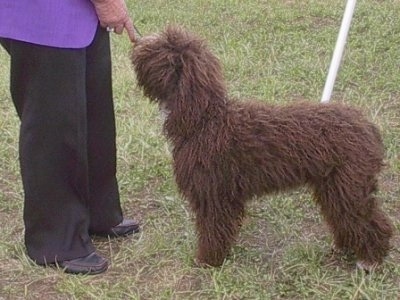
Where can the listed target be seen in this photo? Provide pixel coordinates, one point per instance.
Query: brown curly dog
(226, 152)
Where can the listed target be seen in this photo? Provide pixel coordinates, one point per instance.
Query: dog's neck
(182, 122)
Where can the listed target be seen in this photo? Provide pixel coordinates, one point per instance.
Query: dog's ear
(200, 81)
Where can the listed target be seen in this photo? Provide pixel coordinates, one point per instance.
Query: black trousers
(67, 150)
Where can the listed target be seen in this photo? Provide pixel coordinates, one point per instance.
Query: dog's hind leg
(351, 211)
(218, 224)
(374, 243)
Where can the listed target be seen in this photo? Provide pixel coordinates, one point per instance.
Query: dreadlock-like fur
(226, 152)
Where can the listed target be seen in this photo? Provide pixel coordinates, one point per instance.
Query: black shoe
(89, 265)
(125, 228)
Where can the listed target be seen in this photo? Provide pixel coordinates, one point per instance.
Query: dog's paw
(368, 267)
(335, 250)
(210, 264)
(201, 264)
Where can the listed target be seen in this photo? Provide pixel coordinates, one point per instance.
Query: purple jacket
(56, 23)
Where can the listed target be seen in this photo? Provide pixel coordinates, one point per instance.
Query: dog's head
(176, 69)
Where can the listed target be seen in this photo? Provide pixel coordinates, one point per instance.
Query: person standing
(61, 87)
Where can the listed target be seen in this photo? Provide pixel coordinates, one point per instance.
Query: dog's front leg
(217, 227)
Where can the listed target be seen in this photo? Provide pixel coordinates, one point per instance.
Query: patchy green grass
(276, 51)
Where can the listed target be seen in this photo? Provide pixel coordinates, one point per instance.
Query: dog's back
(297, 143)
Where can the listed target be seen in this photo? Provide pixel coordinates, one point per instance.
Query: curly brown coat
(225, 152)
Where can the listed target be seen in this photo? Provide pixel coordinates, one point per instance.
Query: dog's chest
(164, 112)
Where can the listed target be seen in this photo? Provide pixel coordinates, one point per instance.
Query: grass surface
(276, 51)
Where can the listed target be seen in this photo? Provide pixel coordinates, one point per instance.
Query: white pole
(338, 52)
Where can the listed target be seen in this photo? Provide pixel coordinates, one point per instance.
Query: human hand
(113, 14)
